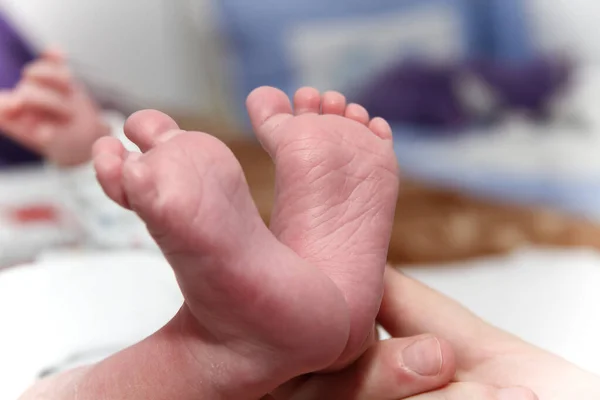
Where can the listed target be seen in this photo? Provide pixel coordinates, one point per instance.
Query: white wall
(572, 26)
(148, 48)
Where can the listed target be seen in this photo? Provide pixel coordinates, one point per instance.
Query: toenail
(424, 357)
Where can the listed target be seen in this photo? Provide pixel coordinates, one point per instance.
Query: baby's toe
(333, 103)
(307, 101)
(268, 108)
(144, 127)
(109, 154)
(381, 128)
(138, 185)
(357, 113)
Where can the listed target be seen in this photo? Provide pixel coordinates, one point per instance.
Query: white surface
(569, 26)
(549, 298)
(71, 304)
(28, 183)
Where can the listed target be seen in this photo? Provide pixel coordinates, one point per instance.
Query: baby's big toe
(144, 128)
(266, 102)
(268, 108)
(163, 186)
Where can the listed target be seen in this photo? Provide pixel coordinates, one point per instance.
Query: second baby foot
(336, 191)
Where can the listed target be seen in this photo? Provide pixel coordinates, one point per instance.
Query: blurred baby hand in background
(51, 113)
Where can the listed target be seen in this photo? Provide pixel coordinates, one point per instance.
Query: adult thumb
(389, 370)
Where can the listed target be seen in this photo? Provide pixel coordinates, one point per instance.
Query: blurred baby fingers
(49, 74)
(8, 104)
(31, 97)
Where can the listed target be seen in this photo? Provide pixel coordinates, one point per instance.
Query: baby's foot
(272, 315)
(336, 190)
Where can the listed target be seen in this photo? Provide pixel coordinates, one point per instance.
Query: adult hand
(484, 354)
(490, 363)
(389, 370)
(384, 373)
(399, 369)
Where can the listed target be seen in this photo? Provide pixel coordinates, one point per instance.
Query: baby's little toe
(381, 128)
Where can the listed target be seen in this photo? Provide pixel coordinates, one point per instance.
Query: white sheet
(549, 298)
(74, 305)
(92, 303)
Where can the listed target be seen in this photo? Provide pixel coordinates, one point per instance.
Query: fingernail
(424, 357)
(515, 394)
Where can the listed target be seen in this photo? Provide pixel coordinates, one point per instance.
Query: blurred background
(493, 102)
(494, 105)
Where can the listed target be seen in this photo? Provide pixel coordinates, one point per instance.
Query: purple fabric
(425, 95)
(525, 86)
(14, 54)
(416, 93)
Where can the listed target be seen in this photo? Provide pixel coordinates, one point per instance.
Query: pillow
(335, 44)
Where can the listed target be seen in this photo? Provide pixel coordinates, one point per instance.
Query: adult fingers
(389, 370)
(410, 308)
